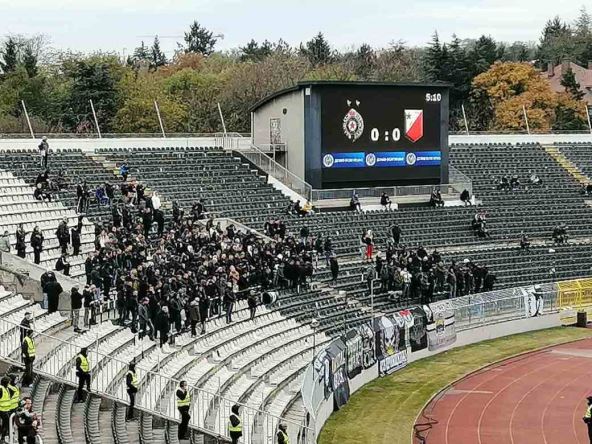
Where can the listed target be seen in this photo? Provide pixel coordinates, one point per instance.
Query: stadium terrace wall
(417, 333)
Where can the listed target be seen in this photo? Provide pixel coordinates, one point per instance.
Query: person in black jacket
(147, 221)
(334, 267)
(63, 265)
(76, 305)
(204, 312)
(252, 303)
(163, 325)
(63, 235)
(20, 241)
(75, 235)
(37, 244)
(229, 300)
(53, 289)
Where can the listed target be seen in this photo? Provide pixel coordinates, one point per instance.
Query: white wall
(291, 127)
(124, 142)
(545, 139)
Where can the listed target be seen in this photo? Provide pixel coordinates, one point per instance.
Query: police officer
(131, 380)
(15, 397)
(282, 434)
(28, 352)
(5, 405)
(235, 425)
(183, 405)
(588, 418)
(83, 373)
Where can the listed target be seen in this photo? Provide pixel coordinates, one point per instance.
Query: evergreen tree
(141, 53)
(484, 54)
(199, 40)
(556, 43)
(434, 59)
(29, 61)
(254, 52)
(572, 87)
(364, 61)
(317, 50)
(157, 57)
(9, 56)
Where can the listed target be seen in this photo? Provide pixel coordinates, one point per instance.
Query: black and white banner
(391, 351)
(339, 380)
(441, 330)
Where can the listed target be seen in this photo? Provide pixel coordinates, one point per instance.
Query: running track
(538, 398)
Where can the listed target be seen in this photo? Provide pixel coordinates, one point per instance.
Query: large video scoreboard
(374, 135)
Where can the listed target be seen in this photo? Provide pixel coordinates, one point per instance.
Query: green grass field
(384, 411)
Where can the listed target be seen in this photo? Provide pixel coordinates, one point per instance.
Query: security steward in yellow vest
(588, 418)
(83, 373)
(282, 434)
(183, 405)
(6, 395)
(131, 381)
(15, 399)
(28, 352)
(235, 425)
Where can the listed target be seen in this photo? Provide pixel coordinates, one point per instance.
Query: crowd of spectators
(419, 275)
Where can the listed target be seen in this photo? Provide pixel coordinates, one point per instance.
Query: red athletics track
(538, 398)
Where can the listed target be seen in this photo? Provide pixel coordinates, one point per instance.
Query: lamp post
(314, 324)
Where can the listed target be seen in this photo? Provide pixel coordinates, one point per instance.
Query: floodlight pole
(92, 107)
(28, 120)
(465, 118)
(526, 119)
(159, 119)
(222, 119)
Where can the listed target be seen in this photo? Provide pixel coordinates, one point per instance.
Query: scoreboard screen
(377, 135)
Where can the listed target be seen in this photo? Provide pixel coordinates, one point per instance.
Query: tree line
(493, 80)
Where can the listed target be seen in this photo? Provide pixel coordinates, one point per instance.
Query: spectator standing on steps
(131, 381)
(53, 290)
(37, 244)
(83, 373)
(63, 235)
(21, 245)
(334, 267)
(76, 305)
(43, 151)
(183, 405)
(75, 236)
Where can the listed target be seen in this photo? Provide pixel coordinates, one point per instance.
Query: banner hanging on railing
(441, 330)
(391, 352)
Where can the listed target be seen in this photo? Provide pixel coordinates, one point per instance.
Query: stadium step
(567, 164)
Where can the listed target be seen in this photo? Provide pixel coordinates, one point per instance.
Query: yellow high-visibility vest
(236, 428)
(30, 346)
(285, 435)
(134, 378)
(16, 397)
(588, 412)
(184, 402)
(84, 363)
(5, 401)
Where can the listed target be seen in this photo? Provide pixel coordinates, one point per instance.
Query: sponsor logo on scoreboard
(382, 159)
(413, 124)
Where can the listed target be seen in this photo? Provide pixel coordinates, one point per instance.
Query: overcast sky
(119, 25)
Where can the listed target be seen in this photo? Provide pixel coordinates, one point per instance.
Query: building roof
(583, 77)
(321, 83)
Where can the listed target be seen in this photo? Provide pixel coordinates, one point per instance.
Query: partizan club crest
(353, 123)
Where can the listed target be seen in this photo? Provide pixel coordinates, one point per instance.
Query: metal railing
(51, 135)
(209, 410)
(394, 191)
(277, 171)
(476, 310)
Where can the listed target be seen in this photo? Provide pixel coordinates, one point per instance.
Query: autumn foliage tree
(499, 95)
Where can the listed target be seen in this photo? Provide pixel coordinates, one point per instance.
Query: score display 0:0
(395, 135)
